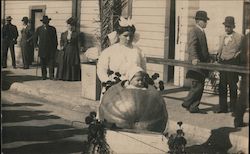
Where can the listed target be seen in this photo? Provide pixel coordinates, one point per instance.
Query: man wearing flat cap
(198, 52)
(26, 43)
(228, 53)
(45, 39)
(9, 39)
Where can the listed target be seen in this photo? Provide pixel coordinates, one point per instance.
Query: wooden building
(161, 24)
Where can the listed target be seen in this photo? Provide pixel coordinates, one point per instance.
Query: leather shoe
(44, 78)
(184, 106)
(197, 110)
(221, 111)
(238, 122)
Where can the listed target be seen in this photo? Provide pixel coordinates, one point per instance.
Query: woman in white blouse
(121, 56)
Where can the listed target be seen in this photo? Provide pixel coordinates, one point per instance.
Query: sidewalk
(211, 128)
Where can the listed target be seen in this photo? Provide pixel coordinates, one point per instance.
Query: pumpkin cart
(132, 121)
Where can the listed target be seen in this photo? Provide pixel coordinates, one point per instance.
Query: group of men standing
(233, 50)
(45, 38)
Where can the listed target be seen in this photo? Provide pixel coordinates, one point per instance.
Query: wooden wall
(89, 21)
(151, 19)
(185, 11)
(58, 10)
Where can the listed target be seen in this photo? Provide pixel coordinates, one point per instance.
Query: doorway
(171, 53)
(36, 14)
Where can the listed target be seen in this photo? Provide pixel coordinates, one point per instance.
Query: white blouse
(119, 58)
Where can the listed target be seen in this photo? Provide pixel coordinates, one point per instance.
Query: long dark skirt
(67, 71)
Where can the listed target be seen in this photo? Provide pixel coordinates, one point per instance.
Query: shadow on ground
(28, 131)
(218, 142)
(8, 79)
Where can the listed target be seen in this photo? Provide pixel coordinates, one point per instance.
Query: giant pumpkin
(134, 108)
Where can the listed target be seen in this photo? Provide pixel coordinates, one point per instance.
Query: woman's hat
(45, 18)
(201, 15)
(8, 18)
(25, 19)
(125, 22)
(229, 21)
(72, 21)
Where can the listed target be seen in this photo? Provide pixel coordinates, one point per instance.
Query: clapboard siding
(151, 35)
(89, 21)
(152, 26)
(59, 11)
(149, 3)
(149, 19)
(149, 11)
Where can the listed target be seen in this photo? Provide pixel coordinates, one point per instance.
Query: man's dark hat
(229, 21)
(25, 19)
(45, 18)
(8, 18)
(201, 15)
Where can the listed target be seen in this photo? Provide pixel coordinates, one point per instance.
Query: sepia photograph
(125, 76)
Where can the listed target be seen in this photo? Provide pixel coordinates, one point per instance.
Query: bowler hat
(25, 19)
(201, 15)
(45, 18)
(8, 18)
(229, 21)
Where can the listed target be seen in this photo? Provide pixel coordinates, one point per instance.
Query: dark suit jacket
(46, 40)
(71, 47)
(197, 48)
(27, 35)
(9, 33)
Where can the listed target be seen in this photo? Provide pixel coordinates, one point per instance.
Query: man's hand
(195, 61)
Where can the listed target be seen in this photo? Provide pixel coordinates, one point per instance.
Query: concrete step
(209, 129)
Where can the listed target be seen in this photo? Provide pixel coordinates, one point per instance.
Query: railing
(207, 66)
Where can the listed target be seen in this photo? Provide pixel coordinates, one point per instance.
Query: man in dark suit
(9, 39)
(198, 52)
(228, 53)
(26, 43)
(45, 39)
(243, 100)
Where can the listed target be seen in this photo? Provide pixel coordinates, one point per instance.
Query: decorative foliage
(177, 142)
(110, 11)
(116, 79)
(96, 143)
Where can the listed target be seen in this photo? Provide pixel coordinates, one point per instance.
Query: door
(36, 14)
(171, 51)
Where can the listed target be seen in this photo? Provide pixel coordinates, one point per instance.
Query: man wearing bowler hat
(9, 39)
(45, 39)
(26, 43)
(198, 52)
(228, 53)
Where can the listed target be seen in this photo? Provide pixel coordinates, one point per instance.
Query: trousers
(194, 96)
(6, 47)
(47, 62)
